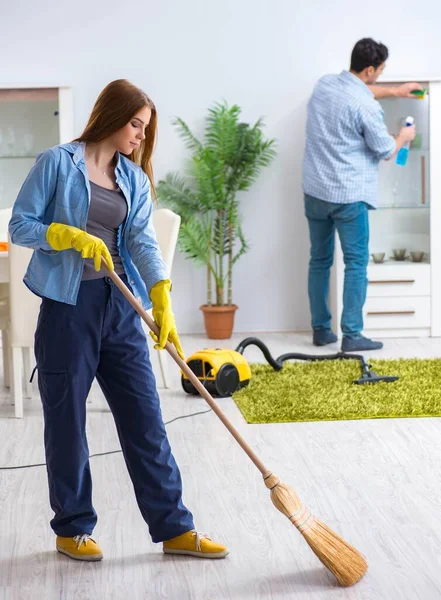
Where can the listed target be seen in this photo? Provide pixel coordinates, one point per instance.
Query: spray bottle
(403, 152)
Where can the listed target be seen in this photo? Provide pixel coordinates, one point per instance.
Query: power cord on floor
(201, 412)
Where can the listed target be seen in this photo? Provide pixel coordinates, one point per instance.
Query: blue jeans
(352, 224)
(102, 337)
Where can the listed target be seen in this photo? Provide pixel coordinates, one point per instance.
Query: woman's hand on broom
(164, 318)
(64, 237)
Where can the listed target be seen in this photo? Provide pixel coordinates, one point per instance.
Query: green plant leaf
(185, 133)
(174, 193)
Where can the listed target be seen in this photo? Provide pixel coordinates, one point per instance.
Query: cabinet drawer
(390, 313)
(398, 280)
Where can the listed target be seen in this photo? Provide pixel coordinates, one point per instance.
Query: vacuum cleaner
(223, 371)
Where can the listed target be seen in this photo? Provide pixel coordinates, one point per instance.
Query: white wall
(263, 55)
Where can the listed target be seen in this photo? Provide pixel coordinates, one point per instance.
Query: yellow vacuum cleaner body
(221, 371)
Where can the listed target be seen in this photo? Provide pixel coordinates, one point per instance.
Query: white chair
(24, 307)
(4, 326)
(166, 224)
(5, 217)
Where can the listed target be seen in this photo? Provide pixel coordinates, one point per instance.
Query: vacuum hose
(277, 363)
(368, 376)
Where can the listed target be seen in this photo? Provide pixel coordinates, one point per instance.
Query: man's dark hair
(368, 53)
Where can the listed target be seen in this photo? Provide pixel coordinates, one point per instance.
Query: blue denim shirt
(57, 190)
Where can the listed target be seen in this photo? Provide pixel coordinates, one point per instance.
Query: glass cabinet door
(402, 221)
(408, 185)
(29, 123)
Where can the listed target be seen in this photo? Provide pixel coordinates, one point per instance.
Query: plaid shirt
(346, 137)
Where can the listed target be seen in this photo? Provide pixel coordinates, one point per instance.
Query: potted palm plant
(227, 162)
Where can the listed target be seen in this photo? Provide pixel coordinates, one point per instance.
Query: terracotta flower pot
(219, 320)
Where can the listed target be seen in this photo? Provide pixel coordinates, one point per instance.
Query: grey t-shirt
(108, 209)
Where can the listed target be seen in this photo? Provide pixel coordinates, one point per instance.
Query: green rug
(323, 391)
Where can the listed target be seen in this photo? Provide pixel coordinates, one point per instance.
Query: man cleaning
(346, 138)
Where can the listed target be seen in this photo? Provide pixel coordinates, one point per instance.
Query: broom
(342, 559)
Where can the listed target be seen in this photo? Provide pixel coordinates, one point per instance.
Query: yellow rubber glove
(164, 318)
(64, 237)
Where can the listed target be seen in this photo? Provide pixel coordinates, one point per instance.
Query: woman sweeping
(83, 202)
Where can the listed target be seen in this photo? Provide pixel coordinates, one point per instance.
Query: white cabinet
(31, 119)
(403, 296)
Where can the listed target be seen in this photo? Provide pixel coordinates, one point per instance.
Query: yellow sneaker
(80, 547)
(194, 544)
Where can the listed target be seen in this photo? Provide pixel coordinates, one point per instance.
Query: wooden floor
(376, 482)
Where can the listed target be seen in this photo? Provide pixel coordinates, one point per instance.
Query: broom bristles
(343, 560)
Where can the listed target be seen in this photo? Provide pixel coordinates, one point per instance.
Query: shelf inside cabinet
(390, 261)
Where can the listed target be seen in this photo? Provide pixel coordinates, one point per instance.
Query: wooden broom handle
(186, 369)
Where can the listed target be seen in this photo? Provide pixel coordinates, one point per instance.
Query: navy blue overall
(101, 336)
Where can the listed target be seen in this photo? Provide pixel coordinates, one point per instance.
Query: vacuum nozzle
(372, 377)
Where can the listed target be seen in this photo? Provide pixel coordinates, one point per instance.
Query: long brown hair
(119, 101)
